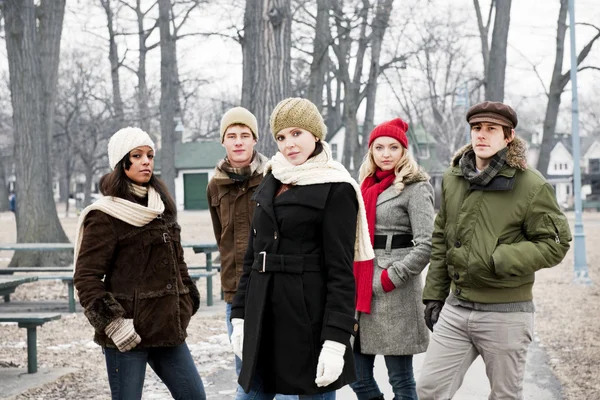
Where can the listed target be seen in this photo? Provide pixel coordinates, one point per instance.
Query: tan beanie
(239, 115)
(125, 140)
(298, 113)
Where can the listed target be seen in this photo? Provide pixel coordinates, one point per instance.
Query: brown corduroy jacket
(139, 273)
(231, 210)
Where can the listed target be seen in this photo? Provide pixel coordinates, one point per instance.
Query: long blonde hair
(406, 168)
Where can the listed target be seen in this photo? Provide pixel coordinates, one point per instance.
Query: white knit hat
(125, 140)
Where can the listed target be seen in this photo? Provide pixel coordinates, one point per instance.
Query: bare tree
(113, 56)
(33, 49)
(494, 56)
(356, 34)
(320, 55)
(558, 83)
(6, 144)
(266, 48)
(143, 96)
(169, 82)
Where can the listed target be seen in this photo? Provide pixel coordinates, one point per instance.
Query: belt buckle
(264, 254)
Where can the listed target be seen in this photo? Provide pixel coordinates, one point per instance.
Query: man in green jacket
(498, 224)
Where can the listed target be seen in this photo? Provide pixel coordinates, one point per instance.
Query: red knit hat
(395, 128)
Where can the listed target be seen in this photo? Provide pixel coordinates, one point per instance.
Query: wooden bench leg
(71, 296)
(31, 347)
(209, 291)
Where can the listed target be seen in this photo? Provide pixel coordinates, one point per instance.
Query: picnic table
(30, 321)
(66, 273)
(9, 284)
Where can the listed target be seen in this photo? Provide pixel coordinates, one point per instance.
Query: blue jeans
(173, 365)
(400, 374)
(257, 393)
(240, 394)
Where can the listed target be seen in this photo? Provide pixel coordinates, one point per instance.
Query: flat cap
(493, 112)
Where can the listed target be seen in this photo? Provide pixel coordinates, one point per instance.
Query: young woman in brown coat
(131, 277)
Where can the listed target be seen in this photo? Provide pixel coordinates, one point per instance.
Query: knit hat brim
(125, 140)
(297, 112)
(238, 116)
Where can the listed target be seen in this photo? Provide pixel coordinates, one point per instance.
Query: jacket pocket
(558, 225)
(221, 202)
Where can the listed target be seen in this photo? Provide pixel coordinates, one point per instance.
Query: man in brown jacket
(229, 194)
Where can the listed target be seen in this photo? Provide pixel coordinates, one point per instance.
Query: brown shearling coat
(135, 272)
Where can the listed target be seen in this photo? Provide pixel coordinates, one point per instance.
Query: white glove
(237, 336)
(123, 334)
(331, 363)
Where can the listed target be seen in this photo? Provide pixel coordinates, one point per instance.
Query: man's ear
(512, 136)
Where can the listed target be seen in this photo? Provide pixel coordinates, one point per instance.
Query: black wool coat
(289, 314)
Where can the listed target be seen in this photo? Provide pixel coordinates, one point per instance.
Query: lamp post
(581, 270)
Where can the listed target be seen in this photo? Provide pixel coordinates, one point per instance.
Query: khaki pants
(460, 335)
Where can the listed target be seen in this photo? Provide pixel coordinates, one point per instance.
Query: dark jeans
(173, 365)
(400, 374)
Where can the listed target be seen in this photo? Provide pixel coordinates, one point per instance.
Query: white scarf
(323, 169)
(127, 211)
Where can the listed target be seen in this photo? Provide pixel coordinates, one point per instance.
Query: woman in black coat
(293, 314)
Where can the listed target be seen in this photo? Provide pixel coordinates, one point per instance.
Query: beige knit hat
(125, 140)
(299, 113)
(239, 115)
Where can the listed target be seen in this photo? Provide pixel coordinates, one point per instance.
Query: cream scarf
(125, 210)
(323, 169)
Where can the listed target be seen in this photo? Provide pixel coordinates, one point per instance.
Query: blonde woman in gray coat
(399, 206)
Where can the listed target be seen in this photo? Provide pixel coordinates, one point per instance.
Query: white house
(560, 173)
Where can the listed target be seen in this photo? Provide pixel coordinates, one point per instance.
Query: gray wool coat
(395, 325)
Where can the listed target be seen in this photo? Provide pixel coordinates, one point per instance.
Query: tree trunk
(318, 66)
(142, 93)
(87, 186)
(3, 188)
(496, 71)
(267, 62)
(113, 56)
(379, 26)
(555, 91)
(351, 157)
(557, 86)
(168, 95)
(33, 53)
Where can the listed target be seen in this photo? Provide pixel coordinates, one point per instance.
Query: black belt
(296, 264)
(398, 241)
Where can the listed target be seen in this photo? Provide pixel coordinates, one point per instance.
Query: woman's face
(387, 152)
(296, 144)
(142, 165)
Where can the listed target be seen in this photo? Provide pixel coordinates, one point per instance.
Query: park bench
(30, 321)
(65, 274)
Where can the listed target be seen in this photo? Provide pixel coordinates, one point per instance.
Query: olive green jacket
(489, 241)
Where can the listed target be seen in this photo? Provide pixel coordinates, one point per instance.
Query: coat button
(456, 276)
(457, 244)
(257, 204)
(456, 291)
(355, 327)
(254, 232)
(275, 236)
(169, 286)
(165, 261)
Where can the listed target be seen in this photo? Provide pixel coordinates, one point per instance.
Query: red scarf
(371, 188)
